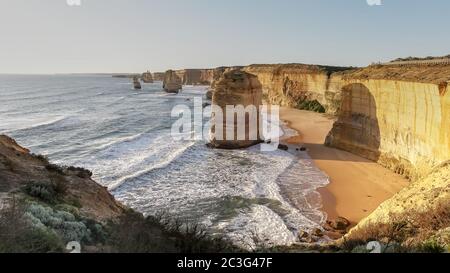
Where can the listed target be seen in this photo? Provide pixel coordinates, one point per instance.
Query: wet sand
(357, 185)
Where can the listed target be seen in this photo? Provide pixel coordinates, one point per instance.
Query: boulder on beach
(339, 223)
(172, 82)
(236, 88)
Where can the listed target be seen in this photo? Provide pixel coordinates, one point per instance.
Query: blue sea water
(123, 136)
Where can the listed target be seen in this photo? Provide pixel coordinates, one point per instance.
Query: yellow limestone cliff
(396, 115)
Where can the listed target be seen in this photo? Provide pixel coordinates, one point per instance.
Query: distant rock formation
(125, 76)
(197, 76)
(137, 83)
(234, 88)
(147, 77)
(159, 76)
(172, 82)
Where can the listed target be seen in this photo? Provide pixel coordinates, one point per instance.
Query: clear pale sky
(49, 36)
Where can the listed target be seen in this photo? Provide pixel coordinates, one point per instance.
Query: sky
(115, 36)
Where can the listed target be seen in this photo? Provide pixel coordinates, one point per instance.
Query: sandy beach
(357, 185)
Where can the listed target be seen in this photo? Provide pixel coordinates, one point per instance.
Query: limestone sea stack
(137, 83)
(235, 88)
(172, 83)
(147, 77)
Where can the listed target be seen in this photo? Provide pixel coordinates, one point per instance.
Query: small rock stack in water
(235, 88)
(147, 77)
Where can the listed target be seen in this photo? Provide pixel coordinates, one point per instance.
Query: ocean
(123, 136)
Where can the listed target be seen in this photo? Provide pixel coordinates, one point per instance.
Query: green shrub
(97, 232)
(68, 208)
(64, 223)
(314, 106)
(431, 246)
(55, 168)
(41, 240)
(47, 191)
(18, 235)
(80, 172)
(42, 190)
(42, 158)
(134, 233)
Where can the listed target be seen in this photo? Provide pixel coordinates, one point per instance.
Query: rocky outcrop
(147, 77)
(235, 88)
(18, 168)
(193, 76)
(44, 206)
(137, 83)
(300, 85)
(159, 76)
(172, 82)
(202, 76)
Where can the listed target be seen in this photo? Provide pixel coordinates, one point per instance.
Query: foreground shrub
(80, 172)
(63, 223)
(314, 106)
(410, 232)
(134, 233)
(17, 235)
(47, 191)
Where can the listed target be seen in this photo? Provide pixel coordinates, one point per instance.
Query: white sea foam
(123, 137)
(11, 124)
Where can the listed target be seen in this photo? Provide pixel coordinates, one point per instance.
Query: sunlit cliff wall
(403, 125)
(292, 84)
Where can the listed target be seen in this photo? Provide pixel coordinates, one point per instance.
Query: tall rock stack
(147, 77)
(236, 88)
(172, 83)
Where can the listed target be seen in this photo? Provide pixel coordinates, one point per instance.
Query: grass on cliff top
(435, 74)
(420, 58)
(300, 68)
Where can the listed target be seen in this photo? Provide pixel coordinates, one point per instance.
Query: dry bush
(18, 236)
(414, 231)
(134, 233)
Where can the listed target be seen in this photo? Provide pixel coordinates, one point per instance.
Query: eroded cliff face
(18, 168)
(202, 76)
(158, 76)
(295, 84)
(404, 126)
(398, 116)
